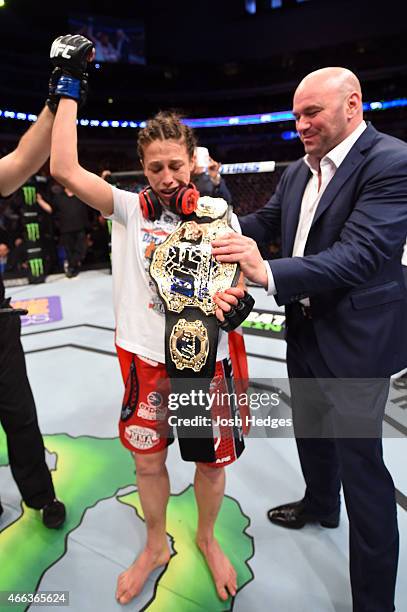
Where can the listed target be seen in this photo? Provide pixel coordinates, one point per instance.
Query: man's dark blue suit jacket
(351, 268)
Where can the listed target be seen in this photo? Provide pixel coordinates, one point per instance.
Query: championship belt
(187, 276)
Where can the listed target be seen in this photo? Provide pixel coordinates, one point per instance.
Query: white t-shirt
(139, 312)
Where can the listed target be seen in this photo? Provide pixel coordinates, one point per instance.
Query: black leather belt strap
(196, 444)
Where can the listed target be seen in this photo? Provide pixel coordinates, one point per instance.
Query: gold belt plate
(189, 345)
(184, 270)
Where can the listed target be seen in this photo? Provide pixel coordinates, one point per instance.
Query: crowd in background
(247, 192)
(56, 228)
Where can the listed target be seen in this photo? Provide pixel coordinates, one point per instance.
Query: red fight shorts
(144, 426)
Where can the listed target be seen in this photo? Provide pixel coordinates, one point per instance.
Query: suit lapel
(353, 159)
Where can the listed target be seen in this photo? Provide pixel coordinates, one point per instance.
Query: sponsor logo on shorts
(142, 438)
(223, 459)
(153, 410)
(155, 399)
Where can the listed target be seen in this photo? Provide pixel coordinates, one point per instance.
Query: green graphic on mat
(28, 549)
(187, 573)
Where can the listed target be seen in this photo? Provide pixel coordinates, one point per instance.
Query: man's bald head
(341, 80)
(327, 107)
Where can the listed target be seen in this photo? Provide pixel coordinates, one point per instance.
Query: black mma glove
(53, 96)
(237, 314)
(70, 55)
(52, 100)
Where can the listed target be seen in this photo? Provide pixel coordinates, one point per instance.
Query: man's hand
(234, 248)
(44, 204)
(105, 175)
(213, 171)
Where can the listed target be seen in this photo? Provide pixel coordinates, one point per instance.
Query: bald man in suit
(341, 213)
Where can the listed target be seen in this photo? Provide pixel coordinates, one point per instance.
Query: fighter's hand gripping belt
(70, 55)
(237, 314)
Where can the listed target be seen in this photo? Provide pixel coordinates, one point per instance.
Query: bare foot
(131, 582)
(223, 573)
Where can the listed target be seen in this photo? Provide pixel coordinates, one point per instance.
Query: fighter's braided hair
(166, 125)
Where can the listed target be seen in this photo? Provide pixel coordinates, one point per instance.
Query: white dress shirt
(404, 257)
(313, 193)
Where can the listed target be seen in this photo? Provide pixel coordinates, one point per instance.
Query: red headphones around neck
(183, 202)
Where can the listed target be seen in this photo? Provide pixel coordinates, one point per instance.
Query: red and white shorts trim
(143, 424)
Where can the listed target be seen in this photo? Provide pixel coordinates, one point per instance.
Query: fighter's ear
(142, 163)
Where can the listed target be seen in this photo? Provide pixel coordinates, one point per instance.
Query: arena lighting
(211, 122)
(240, 120)
(2, 3)
(250, 6)
(289, 135)
(248, 167)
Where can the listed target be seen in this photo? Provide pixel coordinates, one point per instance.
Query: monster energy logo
(30, 195)
(109, 226)
(36, 267)
(33, 231)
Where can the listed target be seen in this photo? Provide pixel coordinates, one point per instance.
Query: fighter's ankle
(157, 548)
(204, 540)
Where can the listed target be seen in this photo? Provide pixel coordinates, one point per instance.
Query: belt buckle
(184, 270)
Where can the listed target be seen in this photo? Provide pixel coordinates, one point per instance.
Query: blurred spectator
(206, 176)
(98, 241)
(122, 46)
(105, 51)
(10, 218)
(73, 221)
(12, 252)
(4, 251)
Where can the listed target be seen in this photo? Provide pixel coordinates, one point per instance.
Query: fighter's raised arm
(65, 168)
(30, 154)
